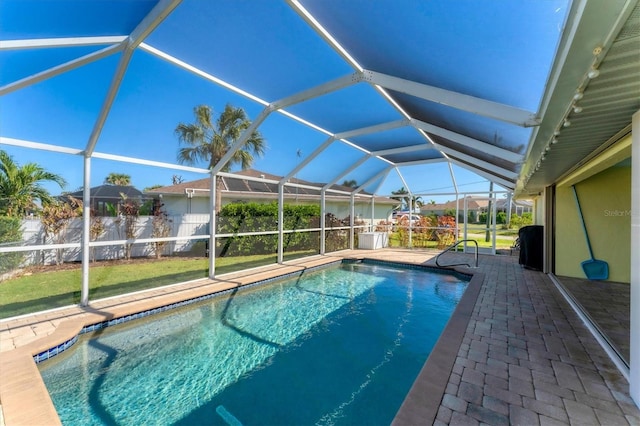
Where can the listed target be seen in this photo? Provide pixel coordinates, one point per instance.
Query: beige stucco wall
(605, 199)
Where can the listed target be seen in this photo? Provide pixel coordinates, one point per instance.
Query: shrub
(10, 233)
(255, 217)
(501, 218)
(446, 236)
(520, 221)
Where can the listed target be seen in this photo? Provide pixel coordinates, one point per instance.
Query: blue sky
(264, 48)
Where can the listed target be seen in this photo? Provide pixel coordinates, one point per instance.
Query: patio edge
(421, 404)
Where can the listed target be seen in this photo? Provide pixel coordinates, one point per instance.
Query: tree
(350, 183)
(21, 186)
(130, 210)
(206, 141)
(55, 218)
(118, 179)
(401, 195)
(161, 228)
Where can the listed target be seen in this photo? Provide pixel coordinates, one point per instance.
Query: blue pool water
(336, 346)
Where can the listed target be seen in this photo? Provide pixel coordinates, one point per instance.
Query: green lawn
(502, 241)
(52, 289)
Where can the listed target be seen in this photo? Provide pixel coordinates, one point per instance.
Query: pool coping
(422, 403)
(25, 399)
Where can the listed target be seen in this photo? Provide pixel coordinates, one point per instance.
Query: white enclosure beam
(213, 194)
(40, 146)
(346, 172)
(307, 160)
(313, 22)
(323, 89)
(187, 67)
(150, 22)
(43, 43)
(352, 213)
(404, 182)
(456, 100)
(453, 178)
(241, 140)
(372, 129)
(384, 175)
(62, 68)
(103, 156)
(403, 149)
(280, 223)
(86, 231)
(323, 221)
(377, 176)
(470, 142)
(144, 28)
(508, 174)
(108, 101)
(502, 182)
(152, 163)
(422, 162)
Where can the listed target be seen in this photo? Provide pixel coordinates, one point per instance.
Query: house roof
(473, 204)
(236, 186)
(111, 192)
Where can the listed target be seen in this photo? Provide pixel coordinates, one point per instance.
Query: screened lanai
(441, 99)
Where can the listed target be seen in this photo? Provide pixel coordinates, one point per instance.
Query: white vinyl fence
(185, 225)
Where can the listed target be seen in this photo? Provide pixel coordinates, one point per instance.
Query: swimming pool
(336, 346)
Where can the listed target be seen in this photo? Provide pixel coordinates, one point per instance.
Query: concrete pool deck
(524, 358)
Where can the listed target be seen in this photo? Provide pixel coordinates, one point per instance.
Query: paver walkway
(527, 359)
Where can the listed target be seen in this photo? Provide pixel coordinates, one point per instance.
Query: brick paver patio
(527, 359)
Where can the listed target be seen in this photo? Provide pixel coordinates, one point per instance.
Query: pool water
(335, 346)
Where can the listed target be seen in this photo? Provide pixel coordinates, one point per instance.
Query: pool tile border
(58, 349)
(25, 399)
(422, 403)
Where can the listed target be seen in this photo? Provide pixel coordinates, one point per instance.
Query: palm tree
(20, 186)
(118, 179)
(207, 141)
(401, 195)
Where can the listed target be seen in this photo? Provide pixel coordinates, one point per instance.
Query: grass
(48, 289)
(42, 290)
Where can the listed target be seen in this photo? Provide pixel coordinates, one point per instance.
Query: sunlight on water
(173, 368)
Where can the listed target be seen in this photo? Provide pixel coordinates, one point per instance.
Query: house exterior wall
(180, 204)
(605, 199)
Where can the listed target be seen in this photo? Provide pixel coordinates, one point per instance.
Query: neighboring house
(517, 206)
(103, 195)
(474, 208)
(193, 197)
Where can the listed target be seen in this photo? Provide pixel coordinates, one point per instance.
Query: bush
(501, 218)
(520, 221)
(255, 217)
(10, 232)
